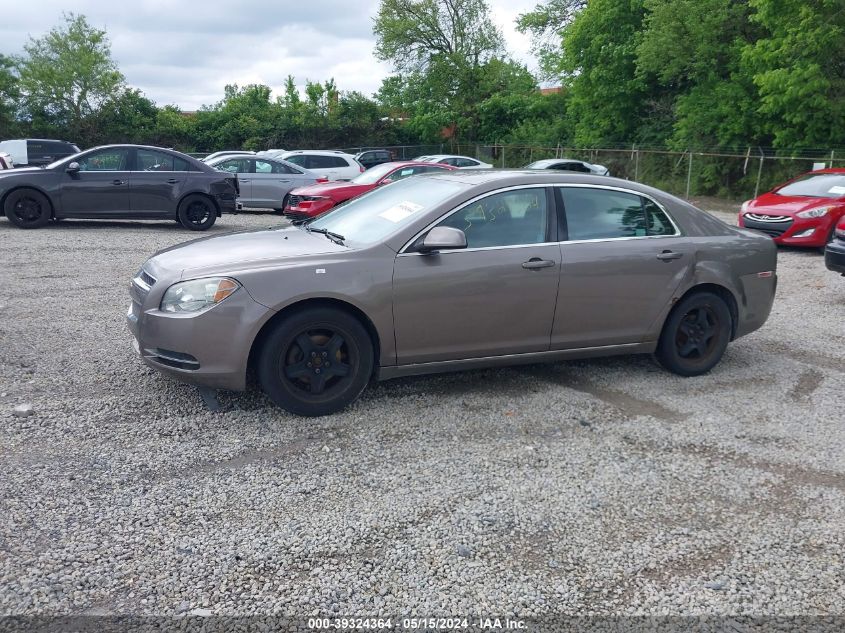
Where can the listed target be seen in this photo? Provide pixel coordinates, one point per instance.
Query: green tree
(545, 24)
(607, 98)
(9, 95)
(68, 74)
(444, 50)
(693, 50)
(797, 66)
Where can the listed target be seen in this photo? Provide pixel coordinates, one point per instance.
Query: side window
(36, 148)
(300, 160)
(319, 162)
(593, 214)
(232, 166)
(658, 223)
(466, 162)
(337, 161)
(180, 164)
(150, 160)
(113, 159)
(400, 174)
(263, 167)
(509, 218)
(449, 161)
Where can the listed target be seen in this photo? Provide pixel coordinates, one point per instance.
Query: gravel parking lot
(596, 487)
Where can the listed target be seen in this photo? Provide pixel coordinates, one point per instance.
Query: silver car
(265, 182)
(450, 271)
(569, 164)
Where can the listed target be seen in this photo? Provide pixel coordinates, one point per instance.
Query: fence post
(831, 157)
(759, 172)
(503, 156)
(689, 173)
(636, 164)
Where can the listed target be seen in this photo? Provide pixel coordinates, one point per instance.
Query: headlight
(744, 206)
(814, 213)
(197, 294)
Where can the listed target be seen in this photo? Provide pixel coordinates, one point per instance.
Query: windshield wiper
(337, 238)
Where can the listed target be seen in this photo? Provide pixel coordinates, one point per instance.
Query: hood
(788, 205)
(24, 170)
(237, 251)
(331, 189)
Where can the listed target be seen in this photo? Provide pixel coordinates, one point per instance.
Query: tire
(316, 361)
(196, 213)
(695, 335)
(281, 210)
(28, 208)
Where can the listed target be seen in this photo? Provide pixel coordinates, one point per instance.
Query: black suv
(373, 157)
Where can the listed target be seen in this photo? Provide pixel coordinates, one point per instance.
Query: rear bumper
(834, 256)
(758, 296)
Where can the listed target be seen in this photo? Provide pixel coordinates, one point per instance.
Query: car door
(623, 258)
(157, 182)
(243, 168)
(495, 297)
(271, 182)
(101, 185)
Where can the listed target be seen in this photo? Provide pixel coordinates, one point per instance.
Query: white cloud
(185, 53)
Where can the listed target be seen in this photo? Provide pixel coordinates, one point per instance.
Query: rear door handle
(172, 181)
(535, 263)
(118, 182)
(667, 255)
(244, 179)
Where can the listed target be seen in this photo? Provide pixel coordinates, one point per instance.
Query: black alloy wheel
(695, 335)
(196, 213)
(316, 361)
(27, 208)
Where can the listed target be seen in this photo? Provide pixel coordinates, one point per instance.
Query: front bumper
(813, 231)
(834, 256)
(209, 348)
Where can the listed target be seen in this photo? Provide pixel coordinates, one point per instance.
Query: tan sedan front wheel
(316, 361)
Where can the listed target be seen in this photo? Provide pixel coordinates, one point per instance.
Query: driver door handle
(535, 263)
(667, 255)
(118, 182)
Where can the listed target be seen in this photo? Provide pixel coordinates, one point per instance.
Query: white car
(6, 161)
(228, 152)
(569, 164)
(334, 165)
(461, 162)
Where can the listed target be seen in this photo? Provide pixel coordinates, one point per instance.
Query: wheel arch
(719, 290)
(6, 194)
(204, 194)
(316, 302)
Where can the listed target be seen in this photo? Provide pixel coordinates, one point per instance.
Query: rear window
(815, 186)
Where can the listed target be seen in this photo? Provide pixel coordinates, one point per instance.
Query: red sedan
(313, 200)
(802, 212)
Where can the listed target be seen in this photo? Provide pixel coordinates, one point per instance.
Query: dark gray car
(119, 181)
(452, 271)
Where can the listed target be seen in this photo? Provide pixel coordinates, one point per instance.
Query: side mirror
(72, 168)
(386, 181)
(443, 238)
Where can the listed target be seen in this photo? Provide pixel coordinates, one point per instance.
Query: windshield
(815, 186)
(374, 174)
(67, 160)
(372, 217)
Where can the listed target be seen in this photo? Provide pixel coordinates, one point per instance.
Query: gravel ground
(603, 487)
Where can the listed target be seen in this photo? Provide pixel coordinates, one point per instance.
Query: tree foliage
(69, 73)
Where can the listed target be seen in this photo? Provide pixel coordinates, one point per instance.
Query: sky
(184, 53)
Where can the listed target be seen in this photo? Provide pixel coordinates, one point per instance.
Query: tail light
(322, 179)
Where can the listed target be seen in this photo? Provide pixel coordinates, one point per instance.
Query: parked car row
(36, 152)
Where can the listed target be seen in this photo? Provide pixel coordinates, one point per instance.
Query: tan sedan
(453, 271)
